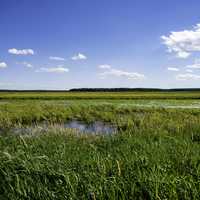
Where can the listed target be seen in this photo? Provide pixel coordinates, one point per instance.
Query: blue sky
(60, 44)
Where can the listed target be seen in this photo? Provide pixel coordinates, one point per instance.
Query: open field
(99, 95)
(153, 155)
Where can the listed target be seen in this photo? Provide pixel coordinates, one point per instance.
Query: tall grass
(155, 154)
(63, 166)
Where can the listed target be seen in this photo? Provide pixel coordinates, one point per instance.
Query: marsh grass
(65, 165)
(155, 154)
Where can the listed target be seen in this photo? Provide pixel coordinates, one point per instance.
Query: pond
(97, 127)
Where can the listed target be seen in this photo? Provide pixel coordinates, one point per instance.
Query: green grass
(154, 155)
(98, 95)
(63, 166)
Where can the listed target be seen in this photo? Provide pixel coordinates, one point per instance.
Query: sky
(63, 44)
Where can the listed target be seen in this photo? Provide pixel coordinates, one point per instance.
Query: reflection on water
(163, 104)
(97, 127)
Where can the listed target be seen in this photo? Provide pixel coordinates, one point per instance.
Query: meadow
(99, 95)
(154, 154)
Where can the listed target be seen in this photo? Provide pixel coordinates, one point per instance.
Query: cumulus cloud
(105, 66)
(56, 58)
(3, 65)
(173, 69)
(183, 43)
(21, 51)
(120, 73)
(58, 69)
(187, 76)
(79, 56)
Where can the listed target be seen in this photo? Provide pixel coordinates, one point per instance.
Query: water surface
(97, 127)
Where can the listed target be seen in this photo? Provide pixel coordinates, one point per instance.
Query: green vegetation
(100, 95)
(154, 155)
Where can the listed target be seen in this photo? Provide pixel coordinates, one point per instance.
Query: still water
(97, 127)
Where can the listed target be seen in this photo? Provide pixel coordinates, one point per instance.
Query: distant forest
(133, 90)
(112, 90)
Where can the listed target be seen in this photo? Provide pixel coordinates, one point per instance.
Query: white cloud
(56, 58)
(105, 66)
(189, 70)
(173, 69)
(120, 73)
(3, 65)
(183, 43)
(79, 56)
(21, 52)
(187, 76)
(26, 64)
(194, 66)
(58, 69)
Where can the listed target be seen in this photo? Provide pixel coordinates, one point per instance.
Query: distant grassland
(99, 95)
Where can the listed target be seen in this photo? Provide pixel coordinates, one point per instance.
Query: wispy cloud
(56, 58)
(173, 69)
(26, 64)
(183, 43)
(105, 66)
(194, 66)
(79, 56)
(21, 51)
(189, 70)
(3, 65)
(120, 73)
(187, 76)
(58, 69)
